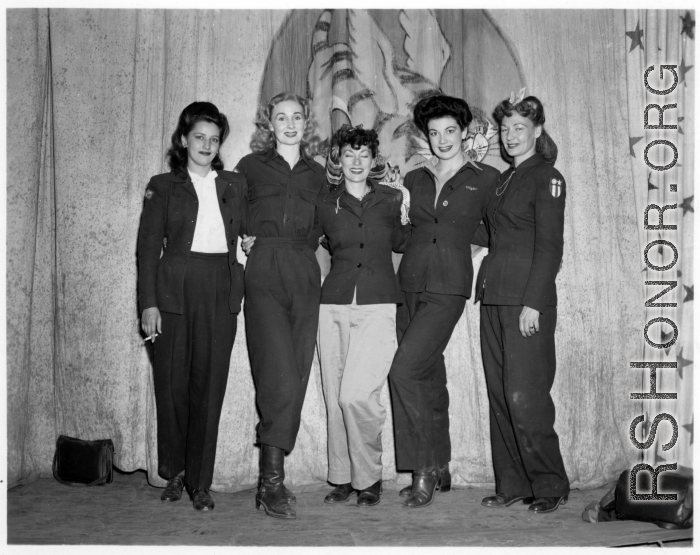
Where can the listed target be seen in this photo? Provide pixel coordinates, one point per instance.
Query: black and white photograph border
(96, 97)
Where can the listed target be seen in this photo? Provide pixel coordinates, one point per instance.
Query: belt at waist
(280, 241)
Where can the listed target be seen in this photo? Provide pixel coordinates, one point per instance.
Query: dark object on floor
(670, 514)
(601, 511)
(370, 496)
(340, 494)
(78, 462)
(173, 489)
(504, 500)
(547, 504)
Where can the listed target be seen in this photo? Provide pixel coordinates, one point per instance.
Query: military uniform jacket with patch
(525, 225)
(167, 225)
(438, 256)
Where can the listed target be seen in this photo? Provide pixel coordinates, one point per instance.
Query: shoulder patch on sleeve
(555, 187)
(149, 193)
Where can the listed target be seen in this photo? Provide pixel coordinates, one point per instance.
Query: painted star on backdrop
(680, 129)
(636, 37)
(689, 293)
(689, 428)
(687, 204)
(688, 25)
(682, 363)
(682, 70)
(650, 185)
(634, 141)
(665, 338)
(678, 273)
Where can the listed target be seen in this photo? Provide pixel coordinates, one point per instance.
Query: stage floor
(129, 512)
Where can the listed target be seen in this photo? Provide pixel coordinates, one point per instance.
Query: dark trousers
(283, 293)
(418, 379)
(191, 363)
(519, 376)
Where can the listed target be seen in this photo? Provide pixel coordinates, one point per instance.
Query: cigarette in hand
(151, 337)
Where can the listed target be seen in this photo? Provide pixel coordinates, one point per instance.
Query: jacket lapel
(221, 185)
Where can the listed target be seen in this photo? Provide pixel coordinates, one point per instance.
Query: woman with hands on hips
(516, 284)
(190, 293)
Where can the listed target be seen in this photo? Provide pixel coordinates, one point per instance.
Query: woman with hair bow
(362, 221)
(282, 281)
(516, 285)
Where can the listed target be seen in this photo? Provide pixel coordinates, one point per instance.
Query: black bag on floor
(78, 462)
(670, 514)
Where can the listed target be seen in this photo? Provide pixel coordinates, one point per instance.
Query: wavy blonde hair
(263, 138)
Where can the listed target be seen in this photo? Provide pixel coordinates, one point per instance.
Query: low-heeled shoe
(201, 500)
(173, 490)
(504, 500)
(547, 504)
(340, 494)
(444, 483)
(370, 496)
(422, 489)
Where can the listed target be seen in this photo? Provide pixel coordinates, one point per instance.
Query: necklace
(502, 188)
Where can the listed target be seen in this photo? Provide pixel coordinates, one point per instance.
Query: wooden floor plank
(129, 512)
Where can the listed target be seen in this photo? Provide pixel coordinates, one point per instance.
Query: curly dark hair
(441, 106)
(356, 137)
(531, 108)
(190, 116)
(263, 138)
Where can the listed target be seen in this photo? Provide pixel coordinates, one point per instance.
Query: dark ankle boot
(423, 489)
(272, 495)
(444, 481)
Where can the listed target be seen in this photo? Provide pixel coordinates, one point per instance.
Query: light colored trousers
(356, 345)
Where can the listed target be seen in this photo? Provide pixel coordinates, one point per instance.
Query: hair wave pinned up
(355, 138)
(441, 106)
(190, 116)
(531, 108)
(263, 138)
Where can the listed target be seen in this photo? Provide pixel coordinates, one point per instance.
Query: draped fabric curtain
(657, 38)
(93, 97)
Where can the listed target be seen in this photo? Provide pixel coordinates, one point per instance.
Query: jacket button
(359, 225)
(445, 203)
(231, 221)
(223, 200)
(362, 245)
(233, 241)
(435, 220)
(434, 240)
(359, 265)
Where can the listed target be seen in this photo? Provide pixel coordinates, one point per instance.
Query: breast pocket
(263, 201)
(304, 209)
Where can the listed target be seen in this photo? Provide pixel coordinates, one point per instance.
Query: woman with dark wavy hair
(190, 289)
(283, 281)
(448, 201)
(516, 285)
(362, 221)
